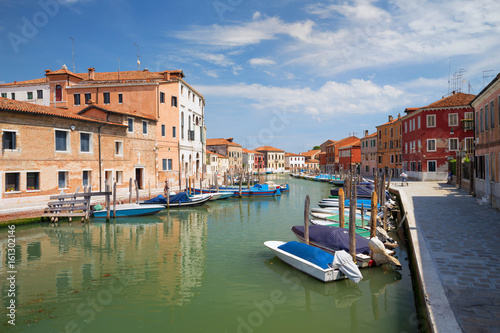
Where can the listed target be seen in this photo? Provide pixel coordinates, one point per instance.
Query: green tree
(316, 147)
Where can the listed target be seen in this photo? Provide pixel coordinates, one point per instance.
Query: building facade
(229, 149)
(487, 155)
(368, 154)
(274, 159)
(389, 150)
(294, 161)
(248, 161)
(350, 158)
(433, 135)
(332, 153)
(46, 150)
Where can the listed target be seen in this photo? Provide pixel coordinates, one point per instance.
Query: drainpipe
(100, 174)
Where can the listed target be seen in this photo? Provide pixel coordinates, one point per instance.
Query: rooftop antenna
(73, 44)
(486, 76)
(138, 61)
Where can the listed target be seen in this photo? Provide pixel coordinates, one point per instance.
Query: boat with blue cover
(181, 199)
(315, 262)
(258, 190)
(130, 210)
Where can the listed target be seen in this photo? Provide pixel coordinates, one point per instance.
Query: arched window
(58, 93)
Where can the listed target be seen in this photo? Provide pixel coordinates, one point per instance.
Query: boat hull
(131, 211)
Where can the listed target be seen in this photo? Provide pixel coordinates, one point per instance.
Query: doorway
(139, 176)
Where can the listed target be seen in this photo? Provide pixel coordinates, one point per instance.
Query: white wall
(22, 93)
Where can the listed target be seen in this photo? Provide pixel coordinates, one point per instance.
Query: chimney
(390, 118)
(166, 75)
(399, 115)
(230, 139)
(91, 73)
(366, 133)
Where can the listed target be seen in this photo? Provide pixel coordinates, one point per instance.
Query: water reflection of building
(165, 258)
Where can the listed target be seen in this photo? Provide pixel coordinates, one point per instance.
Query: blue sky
(285, 73)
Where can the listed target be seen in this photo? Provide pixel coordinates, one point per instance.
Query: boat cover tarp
(333, 238)
(343, 261)
(309, 253)
(364, 189)
(179, 197)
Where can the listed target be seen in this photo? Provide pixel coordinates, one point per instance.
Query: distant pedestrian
(450, 176)
(404, 178)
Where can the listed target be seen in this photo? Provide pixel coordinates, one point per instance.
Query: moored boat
(131, 210)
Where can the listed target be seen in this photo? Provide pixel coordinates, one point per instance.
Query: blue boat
(181, 199)
(129, 210)
(258, 190)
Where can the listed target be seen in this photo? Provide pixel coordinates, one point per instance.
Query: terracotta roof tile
(106, 108)
(312, 160)
(26, 83)
(64, 71)
(293, 154)
(370, 136)
(221, 142)
(458, 99)
(343, 142)
(18, 106)
(311, 152)
(268, 148)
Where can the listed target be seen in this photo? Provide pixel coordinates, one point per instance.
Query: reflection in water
(164, 256)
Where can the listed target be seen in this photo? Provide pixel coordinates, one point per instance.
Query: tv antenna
(73, 48)
(485, 77)
(138, 61)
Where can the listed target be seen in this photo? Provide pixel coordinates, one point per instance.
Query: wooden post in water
(373, 219)
(389, 182)
(248, 180)
(362, 215)
(114, 199)
(352, 222)
(306, 219)
(167, 189)
(108, 204)
(241, 181)
(137, 191)
(201, 186)
(225, 179)
(130, 191)
(341, 208)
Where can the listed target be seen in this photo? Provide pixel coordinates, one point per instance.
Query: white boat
(130, 210)
(334, 267)
(220, 195)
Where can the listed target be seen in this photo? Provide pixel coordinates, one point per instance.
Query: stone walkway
(463, 240)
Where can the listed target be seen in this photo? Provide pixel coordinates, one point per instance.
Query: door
(139, 174)
(487, 175)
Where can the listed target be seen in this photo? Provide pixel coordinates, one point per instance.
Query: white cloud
(261, 62)
(333, 98)
(211, 73)
(217, 59)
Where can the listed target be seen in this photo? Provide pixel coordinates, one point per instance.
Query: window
(453, 119)
(106, 97)
(13, 96)
(469, 145)
(492, 113)
(174, 101)
(32, 181)
(392, 132)
(182, 124)
(418, 122)
(406, 147)
(380, 159)
(4, 95)
(431, 144)
(419, 145)
(62, 140)
(76, 98)
(62, 179)
(431, 166)
(86, 177)
(88, 97)
(392, 159)
(119, 177)
(453, 144)
(486, 117)
(9, 140)
(477, 122)
(85, 142)
(481, 119)
(130, 125)
(174, 131)
(162, 97)
(11, 181)
(58, 93)
(39, 94)
(431, 120)
(30, 95)
(163, 130)
(144, 127)
(120, 98)
(118, 148)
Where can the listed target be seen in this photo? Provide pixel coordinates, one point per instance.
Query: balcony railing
(467, 124)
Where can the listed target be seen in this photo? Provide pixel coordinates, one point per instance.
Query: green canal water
(195, 270)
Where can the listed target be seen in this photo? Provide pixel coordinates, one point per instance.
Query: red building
(259, 162)
(432, 135)
(350, 158)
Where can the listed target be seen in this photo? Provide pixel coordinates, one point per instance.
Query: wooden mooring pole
(306, 219)
(341, 208)
(373, 219)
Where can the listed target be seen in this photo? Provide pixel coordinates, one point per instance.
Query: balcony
(467, 124)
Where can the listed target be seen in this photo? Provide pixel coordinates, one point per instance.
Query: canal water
(202, 269)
